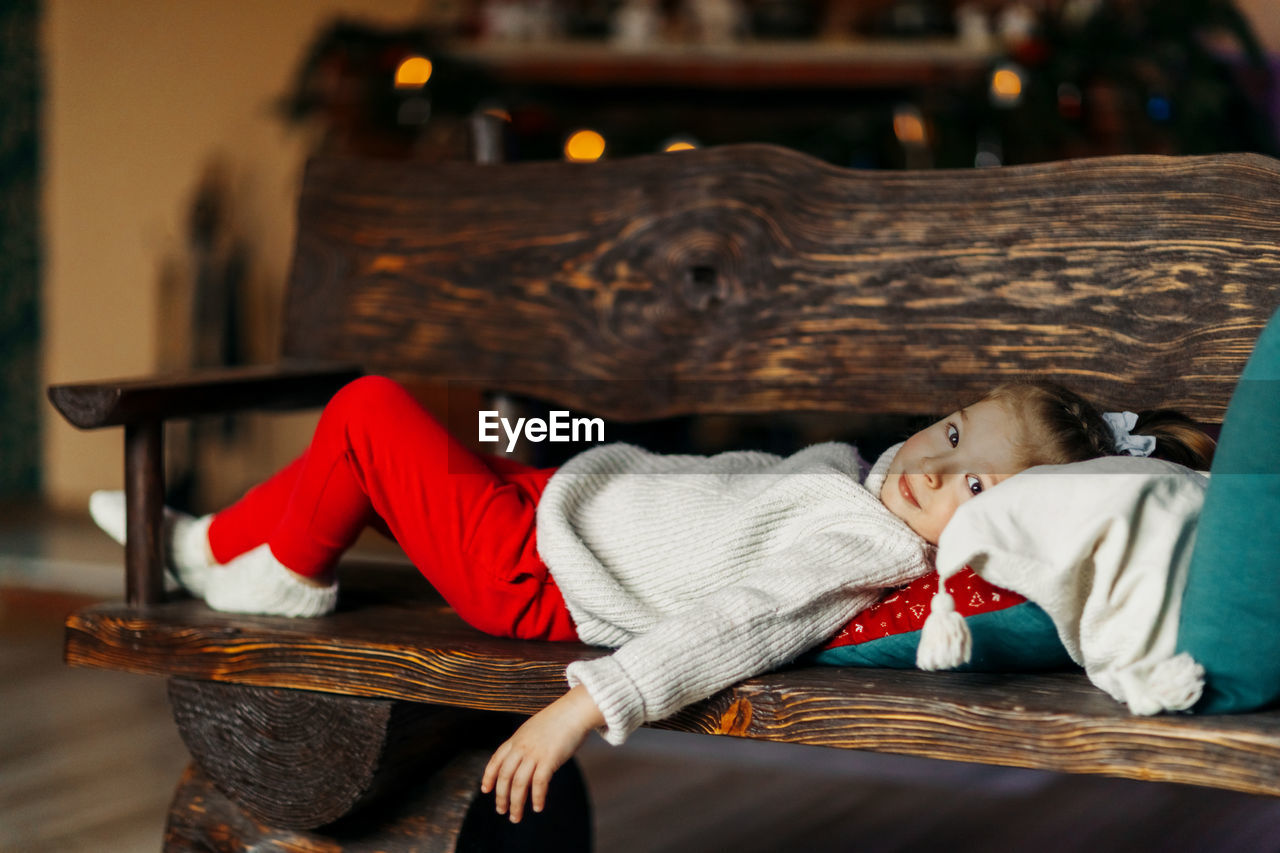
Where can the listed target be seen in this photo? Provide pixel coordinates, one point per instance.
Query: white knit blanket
(1103, 546)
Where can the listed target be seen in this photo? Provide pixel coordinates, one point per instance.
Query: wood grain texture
(1052, 721)
(752, 278)
(290, 758)
(90, 405)
(65, 726)
(440, 814)
(296, 759)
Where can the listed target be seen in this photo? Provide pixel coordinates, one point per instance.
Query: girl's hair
(1061, 426)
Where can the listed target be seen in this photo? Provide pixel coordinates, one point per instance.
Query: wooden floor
(88, 761)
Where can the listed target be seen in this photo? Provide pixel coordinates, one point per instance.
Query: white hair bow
(1121, 425)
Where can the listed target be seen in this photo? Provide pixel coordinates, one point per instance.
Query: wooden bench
(740, 279)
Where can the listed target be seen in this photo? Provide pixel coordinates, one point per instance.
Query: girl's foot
(185, 539)
(256, 582)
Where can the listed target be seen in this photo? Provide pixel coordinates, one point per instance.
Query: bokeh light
(1159, 108)
(908, 126)
(413, 72)
(679, 142)
(1006, 86)
(584, 146)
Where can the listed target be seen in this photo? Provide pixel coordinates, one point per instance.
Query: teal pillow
(1230, 621)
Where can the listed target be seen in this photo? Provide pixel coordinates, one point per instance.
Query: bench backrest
(754, 278)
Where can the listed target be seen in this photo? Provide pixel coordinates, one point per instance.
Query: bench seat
(391, 639)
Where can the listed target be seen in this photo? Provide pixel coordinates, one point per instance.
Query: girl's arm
(795, 601)
(524, 764)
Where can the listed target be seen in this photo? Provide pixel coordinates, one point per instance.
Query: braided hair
(1068, 428)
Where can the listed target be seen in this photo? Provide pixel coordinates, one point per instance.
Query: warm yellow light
(1006, 84)
(584, 146)
(498, 112)
(680, 146)
(909, 128)
(413, 72)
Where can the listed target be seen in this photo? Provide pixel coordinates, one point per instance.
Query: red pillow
(1008, 632)
(904, 610)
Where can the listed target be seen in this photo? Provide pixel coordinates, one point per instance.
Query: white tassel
(1174, 684)
(945, 642)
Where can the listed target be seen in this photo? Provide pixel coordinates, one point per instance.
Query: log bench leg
(447, 813)
(144, 500)
(295, 770)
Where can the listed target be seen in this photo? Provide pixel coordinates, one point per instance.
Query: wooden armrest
(91, 405)
(141, 407)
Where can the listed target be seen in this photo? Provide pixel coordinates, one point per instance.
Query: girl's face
(946, 464)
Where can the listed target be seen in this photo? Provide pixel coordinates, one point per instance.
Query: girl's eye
(974, 484)
(953, 434)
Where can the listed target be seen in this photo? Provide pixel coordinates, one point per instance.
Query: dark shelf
(871, 63)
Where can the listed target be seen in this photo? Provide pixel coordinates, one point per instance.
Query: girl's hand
(524, 764)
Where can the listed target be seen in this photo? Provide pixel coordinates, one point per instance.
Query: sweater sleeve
(797, 600)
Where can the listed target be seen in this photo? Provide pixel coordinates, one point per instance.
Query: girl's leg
(193, 546)
(1237, 549)
(379, 456)
(248, 522)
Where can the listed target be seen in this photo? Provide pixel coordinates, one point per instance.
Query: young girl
(701, 571)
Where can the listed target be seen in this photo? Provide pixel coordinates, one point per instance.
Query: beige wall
(141, 95)
(1264, 15)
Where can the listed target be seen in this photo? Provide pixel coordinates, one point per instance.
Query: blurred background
(150, 151)
(150, 157)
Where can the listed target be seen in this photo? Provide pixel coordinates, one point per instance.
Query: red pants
(466, 521)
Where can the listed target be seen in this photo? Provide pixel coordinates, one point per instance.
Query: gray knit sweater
(705, 570)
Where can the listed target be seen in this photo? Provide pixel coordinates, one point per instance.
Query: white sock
(256, 582)
(185, 539)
